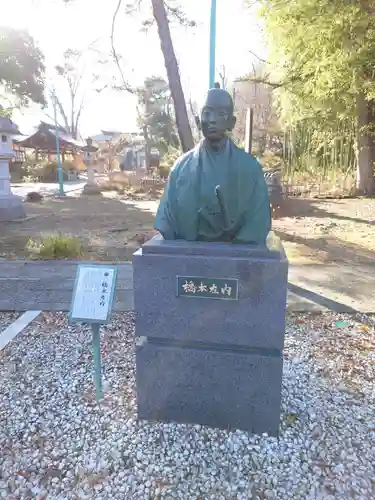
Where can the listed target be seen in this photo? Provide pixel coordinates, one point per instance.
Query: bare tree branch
(263, 80)
(62, 111)
(126, 85)
(78, 116)
(259, 58)
(52, 119)
(223, 77)
(180, 16)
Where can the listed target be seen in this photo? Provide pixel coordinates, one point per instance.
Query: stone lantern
(11, 207)
(91, 187)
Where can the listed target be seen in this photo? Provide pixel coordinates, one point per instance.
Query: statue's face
(217, 115)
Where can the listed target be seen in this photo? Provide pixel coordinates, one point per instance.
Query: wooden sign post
(92, 302)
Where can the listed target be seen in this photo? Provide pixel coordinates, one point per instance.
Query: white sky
(57, 27)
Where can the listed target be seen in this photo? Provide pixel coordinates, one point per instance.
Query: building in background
(114, 149)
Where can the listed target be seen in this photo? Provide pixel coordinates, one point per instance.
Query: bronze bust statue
(216, 192)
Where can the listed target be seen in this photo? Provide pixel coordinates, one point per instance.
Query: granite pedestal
(210, 323)
(11, 208)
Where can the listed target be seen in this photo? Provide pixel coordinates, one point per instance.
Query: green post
(59, 166)
(212, 44)
(97, 361)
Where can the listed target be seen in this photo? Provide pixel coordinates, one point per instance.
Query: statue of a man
(216, 192)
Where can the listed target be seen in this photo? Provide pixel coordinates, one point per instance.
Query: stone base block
(256, 319)
(202, 384)
(92, 189)
(11, 208)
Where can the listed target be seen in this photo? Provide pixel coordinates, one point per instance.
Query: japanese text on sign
(92, 300)
(215, 288)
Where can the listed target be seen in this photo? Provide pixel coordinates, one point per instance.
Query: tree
(68, 72)
(323, 55)
(21, 66)
(155, 116)
(7, 112)
(77, 82)
(223, 77)
(171, 65)
(160, 12)
(248, 92)
(155, 107)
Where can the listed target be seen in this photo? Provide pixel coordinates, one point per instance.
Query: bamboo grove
(321, 62)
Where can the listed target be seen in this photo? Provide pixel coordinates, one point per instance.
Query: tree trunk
(171, 65)
(365, 146)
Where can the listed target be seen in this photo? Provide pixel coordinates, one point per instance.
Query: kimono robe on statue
(190, 209)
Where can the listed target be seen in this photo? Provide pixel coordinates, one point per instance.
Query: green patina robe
(190, 209)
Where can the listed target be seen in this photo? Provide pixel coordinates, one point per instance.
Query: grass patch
(56, 247)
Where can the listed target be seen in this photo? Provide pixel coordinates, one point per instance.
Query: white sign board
(93, 293)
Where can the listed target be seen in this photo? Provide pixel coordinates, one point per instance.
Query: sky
(56, 27)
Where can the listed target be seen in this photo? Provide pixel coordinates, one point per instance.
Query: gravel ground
(7, 319)
(56, 443)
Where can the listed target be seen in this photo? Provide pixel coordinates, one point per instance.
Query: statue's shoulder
(246, 162)
(184, 160)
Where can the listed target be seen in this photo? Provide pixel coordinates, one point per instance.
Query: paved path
(46, 189)
(338, 287)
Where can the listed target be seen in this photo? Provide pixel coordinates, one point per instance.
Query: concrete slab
(15, 328)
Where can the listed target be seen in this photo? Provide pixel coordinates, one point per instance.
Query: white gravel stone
(57, 443)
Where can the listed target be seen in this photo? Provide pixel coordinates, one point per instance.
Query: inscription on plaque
(93, 293)
(207, 288)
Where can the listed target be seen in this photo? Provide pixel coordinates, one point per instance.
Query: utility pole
(212, 44)
(59, 166)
